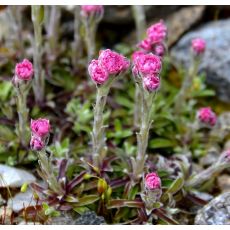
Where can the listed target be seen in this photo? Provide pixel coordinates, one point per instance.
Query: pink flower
(198, 45)
(113, 62)
(97, 73)
(157, 32)
(36, 143)
(136, 55)
(91, 9)
(148, 64)
(159, 50)
(24, 70)
(151, 82)
(40, 127)
(145, 45)
(152, 181)
(207, 116)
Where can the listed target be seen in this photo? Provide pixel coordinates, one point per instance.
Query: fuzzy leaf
(86, 200)
(161, 143)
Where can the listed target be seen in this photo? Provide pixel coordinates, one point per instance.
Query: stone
(181, 21)
(216, 212)
(216, 60)
(21, 200)
(13, 177)
(90, 218)
(224, 182)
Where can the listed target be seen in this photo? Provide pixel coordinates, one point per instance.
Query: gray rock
(90, 218)
(21, 200)
(216, 60)
(13, 177)
(216, 212)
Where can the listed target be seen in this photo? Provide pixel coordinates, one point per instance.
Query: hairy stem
(187, 83)
(98, 135)
(77, 44)
(210, 172)
(140, 21)
(143, 135)
(47, 172)
(90, 26)
(53, 29)
(39, 81)
(22, 116)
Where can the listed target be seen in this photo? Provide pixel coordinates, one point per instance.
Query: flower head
(113, 62)
(152, 181)
(151, 82)
(148, 64)
(40, 127)
(24, 70)
(198, 45)
(36, 143)
(157, 32)
(97, 73)
(91, 9)
(207, 116)
(159, 49)
(145, 45)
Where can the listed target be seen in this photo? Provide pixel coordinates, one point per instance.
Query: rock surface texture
(216, 60)
(216, 212)
(13, 177)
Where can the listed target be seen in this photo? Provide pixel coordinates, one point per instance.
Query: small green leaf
(86, 200)
(161, 143)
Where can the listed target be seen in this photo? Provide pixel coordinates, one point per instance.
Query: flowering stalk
(39, 138)
(155, 43)
(77, 48)
(222, 163)
(16, 17)
(146, 104)
(198, 47)
(22, 83)
(91, 16)
(39, 81)
(139, 16)
(146, 74)
(98, 136)
(53, 29)
(103, 72)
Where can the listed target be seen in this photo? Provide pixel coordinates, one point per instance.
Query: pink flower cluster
(198, 45)
(154, 42)
(147, 67)
(88, 10)
(207, 116)
(152, 181)
(40, 129)
(23, 71)
(108, 63)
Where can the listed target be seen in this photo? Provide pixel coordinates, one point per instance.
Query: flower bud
(113, 62)
(207, 116)
(101, 186)
(87, 10)
(151, 82)
(97, 73)
(36, 143)
(24, 70)
(145, 45)
(148, 64)
(198, 45)
(152, 181)
(157, 32)
(40, 127)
